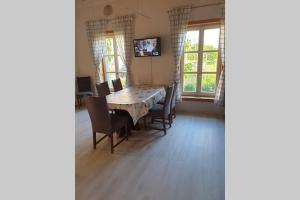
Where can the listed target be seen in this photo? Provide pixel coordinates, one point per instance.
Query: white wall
(200, 107)
(162, 66)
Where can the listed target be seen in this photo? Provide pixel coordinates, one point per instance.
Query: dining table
(136, 100)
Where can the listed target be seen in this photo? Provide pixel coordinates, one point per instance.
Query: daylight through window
(113, 65)
(200, 63)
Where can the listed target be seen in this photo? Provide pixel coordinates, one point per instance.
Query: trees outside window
(200, 61)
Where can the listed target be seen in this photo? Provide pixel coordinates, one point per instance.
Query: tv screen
(147, 47)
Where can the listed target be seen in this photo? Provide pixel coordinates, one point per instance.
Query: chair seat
(157, 109)
(84, 93)
(118, 121)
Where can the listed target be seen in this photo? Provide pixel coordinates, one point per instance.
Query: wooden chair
(103, 89)
(83, 88)
(117, 85)
(103, 122)
(162, 111)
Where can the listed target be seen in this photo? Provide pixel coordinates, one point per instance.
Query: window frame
(116, 54)
(200, 52)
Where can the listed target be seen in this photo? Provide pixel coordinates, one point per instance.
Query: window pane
(190, 62)
(208, 83)
(109, 63)
(210, 60)
(189, 82)
(122, 67)
(109, 46)
(109, 77)
(211, 39)
(191, 41)
(123, 79)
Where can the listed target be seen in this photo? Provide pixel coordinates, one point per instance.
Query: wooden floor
(186, 164)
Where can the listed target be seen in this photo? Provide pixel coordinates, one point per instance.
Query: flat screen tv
(147, 47)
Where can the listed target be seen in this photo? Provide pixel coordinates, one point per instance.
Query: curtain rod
(209, 4)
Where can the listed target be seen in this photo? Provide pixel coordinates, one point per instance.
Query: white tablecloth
(135, 100)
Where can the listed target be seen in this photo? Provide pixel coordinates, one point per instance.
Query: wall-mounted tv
(147, 47)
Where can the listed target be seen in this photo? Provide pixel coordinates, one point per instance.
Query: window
(113, 65)
(200, 63)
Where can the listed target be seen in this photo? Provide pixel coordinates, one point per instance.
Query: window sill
(199, 99)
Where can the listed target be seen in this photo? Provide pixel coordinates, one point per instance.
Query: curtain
(96, 39)
(178, 18)
(220, 91)
(123, 28)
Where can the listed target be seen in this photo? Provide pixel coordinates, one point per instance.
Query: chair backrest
(173, 100)
(103, 89)
(84, 84)
(117, 85)
(167, 101)
(99, 115)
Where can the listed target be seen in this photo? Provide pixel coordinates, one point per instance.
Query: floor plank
(187, 163)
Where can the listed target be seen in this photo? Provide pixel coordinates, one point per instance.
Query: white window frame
(199, 72)
(116, 61)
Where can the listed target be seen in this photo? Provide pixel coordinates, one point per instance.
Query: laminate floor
(186, 164)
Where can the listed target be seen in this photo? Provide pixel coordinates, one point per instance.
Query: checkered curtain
(179, 18)
(220, 91)
(96, 39)
(123, 28)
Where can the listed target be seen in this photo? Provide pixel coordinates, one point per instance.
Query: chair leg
(170, 120)
(145, 122)
(126, 131)
(79, 102)
(112, 142)
(174, 112)
(76, 102)
(164, 124)
(94, 140)
(129, 125)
